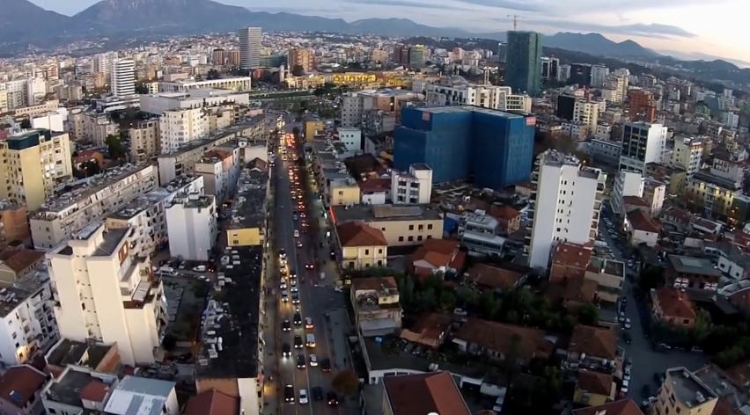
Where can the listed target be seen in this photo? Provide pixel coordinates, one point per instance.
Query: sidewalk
(271, 391)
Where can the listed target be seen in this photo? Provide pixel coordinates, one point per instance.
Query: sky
(687, 29)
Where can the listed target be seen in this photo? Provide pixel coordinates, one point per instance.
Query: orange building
(301, 57)
(642, 106)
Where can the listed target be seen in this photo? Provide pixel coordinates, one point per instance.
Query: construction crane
(515, 18)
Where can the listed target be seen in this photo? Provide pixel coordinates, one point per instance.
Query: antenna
(515, 21)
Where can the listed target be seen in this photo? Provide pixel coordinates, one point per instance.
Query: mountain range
(132, 18)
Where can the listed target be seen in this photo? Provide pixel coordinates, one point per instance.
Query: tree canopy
(115, 147)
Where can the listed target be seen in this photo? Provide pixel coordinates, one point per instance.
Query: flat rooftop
(607, 266)
(390, 354)
(229, 131)
(373, 213)
(110, 241)
(249, 210)
(197, 93)
(193, 201)
(13, 295)
(693, 265)
(468, 108)
(70, 352)
(235, 319)
(688, 388)
(67, 388)
(142, 203)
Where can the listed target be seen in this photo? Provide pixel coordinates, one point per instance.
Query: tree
(346, 383)
(298, 70)
(87, 169)
(115, 147)
(651, 277)
(141, 89)
(588, 314)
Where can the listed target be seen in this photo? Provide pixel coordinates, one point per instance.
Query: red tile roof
(572, 255)
(634, 201)
(212, 402)
(440, 253)
(505, 212)
(375, 185)
(95, 391)
(424, 394)
(595, 382)
(19, 383)
(594, 342)
(500, 337)
(20, 259)
(494, 277)
(374, 283)
(674, 303)
(353, 234)
(622, 407)
(428, 330)
(641, 221)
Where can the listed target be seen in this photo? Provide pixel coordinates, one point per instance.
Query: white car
(313, 360)
(302, 396)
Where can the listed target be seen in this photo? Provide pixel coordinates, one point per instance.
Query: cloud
(623, 5)
(405, 3)
(653, 30)
(507, 4)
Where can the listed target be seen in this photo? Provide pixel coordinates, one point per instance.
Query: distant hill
(34, 23)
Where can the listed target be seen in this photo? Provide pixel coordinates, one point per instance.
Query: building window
(419, 237)
(429, 226)
(367, 252)
(411, 227)
(411, 239)
(401, 239)
(380, 251)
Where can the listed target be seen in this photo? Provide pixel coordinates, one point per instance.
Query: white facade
(123, 77)
(451, 92)
(250, 45)
(239, 84)
(195, 98)
(352, 139)
(135, 395)
(565, 205)
(687, 154)
(586, 113)
(16, 94)
(191, 222)
(105, 293)
(179, 127)
(53, 121)
(25, 326)
(599, 74)
(36, 89)
(627, 183)
(642, 143)
(412, 187)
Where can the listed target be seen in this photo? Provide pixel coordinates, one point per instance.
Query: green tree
(115, 147)
(346, 383)
(141, 89)
(588, 314)
(651, 277)
(448, 301)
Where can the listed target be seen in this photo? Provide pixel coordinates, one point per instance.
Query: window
(411, 227)
(380, 251)
(401, 239)
(429, 226)
(367, 252)
(411, 238)
(419, 237)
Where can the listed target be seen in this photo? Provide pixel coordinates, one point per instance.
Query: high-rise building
(191, 222)
(218, 57)
(599, 74)
(416, 56)
(580, 74)
(565, 204)
(301, 57)
(104, 292)
(250, 44)
(179, 127)
(457, 91)
(586, 113)
(460, 142)
(234, 58)
(642, 105)
(642, 143)
(523, 70)
(687, 154)
(123, 77)
(32, 164)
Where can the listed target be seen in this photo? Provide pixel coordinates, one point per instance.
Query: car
(282, 253)
(313, 360)
(626, 377)
(626, 325)
(286, 350)
(309, 323)
(294, 289)
(317, 393)
(293, 274)
(289, 394)
(296, 233)
(286, 325)
(297, 318)
(298, 342)
(295, 297)
(333, 399)
(303, 396)
(282, 285)
(200, 268)
(309, 265)
(295, 217)
(325, 365)
(301, 363)
(302, 215)
(299, 244)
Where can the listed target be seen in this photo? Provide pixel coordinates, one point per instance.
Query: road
(646, 361)
(317, 298)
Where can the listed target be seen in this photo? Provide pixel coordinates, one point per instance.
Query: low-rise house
(375, 191)
(376, 305)
(734, 261)
(20, 391)
(136, 395)
(609, 275)
(498, 341)
(630, 203)
(362, 246)
(621, 407)
(438, 256)
(594, 388)
(212, 402)
(569, 260)
(592, 346)
(738, 294)
(495, 278)
(429, 330)
(692, 272)
(673, 307)
(572, 293)
(508, 218)
(733, 397)
(642, 228)
(429, 393)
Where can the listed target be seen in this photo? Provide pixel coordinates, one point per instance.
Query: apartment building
(220, 169)
(342, 191)
(430, 393)
(565, 204)
(604, 151)
(191, 221)
(684, 393)
(123, 77)
(685, 272)
(180, 127)
(145, 140)
(479, 233)
(27, 322)
(715, 190)
(302, 57)
(34, 162)
(248, 215)
(87, 200)
(14, 222)
(455, 90)
(354, 105)
(97, 127)
(361, 246)
(414, 187)
(190, 99)
(352, 139)
(627, 183)
(687, 154)
(104, 292)
(238, 84)
(377, 310)
(654, 194)
(402, 225)
(182, 162)
(642, 143)
(587, 113)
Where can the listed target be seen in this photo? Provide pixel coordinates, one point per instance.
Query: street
(317, 298)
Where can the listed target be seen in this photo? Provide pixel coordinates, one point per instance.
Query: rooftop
(212, 402)
(69, 352)
(67, 388)
(198, 93)
(374, 213)
(352, 234)
(706, 177)
(227, 132)
(606, 266)
(595, 382)
(688, 388)
(141, 204)
(500, 337)
(468, 108)
(724, 386)
(235, 319)
(21, 290)
(674, 303)
(641, 221)
(569, 254)
(424, 394)
(19, 384)
(593, 341)
(193, 201)
(621, 407)
(139, 396)
(695, 266)
(249, 210)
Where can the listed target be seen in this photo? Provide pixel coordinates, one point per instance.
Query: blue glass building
(496, 148)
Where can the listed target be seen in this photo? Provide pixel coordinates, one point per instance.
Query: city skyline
(678, 28)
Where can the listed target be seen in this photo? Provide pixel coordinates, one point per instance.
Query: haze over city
(686, 29)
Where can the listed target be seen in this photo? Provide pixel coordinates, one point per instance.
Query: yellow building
(248, 211)
(342, 192)
(594, 388)
(379, 79)
(311, 127)
(362, 246)
(684, 393)
(32, 164)
(402, 225)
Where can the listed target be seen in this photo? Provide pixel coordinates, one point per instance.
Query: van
(310, 340)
